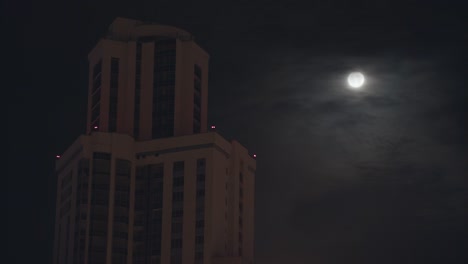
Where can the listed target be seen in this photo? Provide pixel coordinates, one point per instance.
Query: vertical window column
(156, 175)
(67, 239)
(147, 229)
(197, 81)
(136, 112)
(121, 207)
(114, 85)
(99, 208)
(200, 212)
(163, 89)
(65, 208)
(96, 96)
(140, 225)
(81, 211)
(177, 212)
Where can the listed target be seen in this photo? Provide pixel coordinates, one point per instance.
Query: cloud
(387, 154)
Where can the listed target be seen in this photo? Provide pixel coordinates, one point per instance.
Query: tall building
(149, 183)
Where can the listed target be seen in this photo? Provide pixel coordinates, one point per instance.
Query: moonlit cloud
(388, 154)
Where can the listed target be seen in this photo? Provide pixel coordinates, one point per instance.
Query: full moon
(356, 79)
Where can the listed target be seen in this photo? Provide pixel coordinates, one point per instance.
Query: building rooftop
(128, 29)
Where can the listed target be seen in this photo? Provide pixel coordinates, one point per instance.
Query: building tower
(148, 81)
(149, 183)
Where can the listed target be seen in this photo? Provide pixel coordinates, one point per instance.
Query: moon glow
(356, 80)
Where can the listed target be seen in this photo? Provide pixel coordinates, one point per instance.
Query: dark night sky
(379, 176)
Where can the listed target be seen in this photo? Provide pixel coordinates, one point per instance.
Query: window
(156, 260)
(148, 212)
(177, 196)
(97, 69)
(177, 211)
(201, 163)
(200, 223)
(67, 179)
(95, 111)
(179, 166)
(114, 84)
(96, 94)
(199, 257)
(122, 234)
(201, 193)
(197, 71)
(66, 193)
(176, 243)
(197, 99)
(99, 206)
(96, 98)
(200, 210)
(122, 183)
(201, 177)
(155, 176)
(178, 182)
(136, 111)
(65, 209)
(163, 88)
(139, 235)
(176, 228)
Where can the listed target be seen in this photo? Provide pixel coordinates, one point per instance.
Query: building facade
(148, 81)
(149, 183)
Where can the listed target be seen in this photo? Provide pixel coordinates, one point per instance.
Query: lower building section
(178, 200)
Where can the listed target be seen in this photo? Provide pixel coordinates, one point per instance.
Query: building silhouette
(149, 182)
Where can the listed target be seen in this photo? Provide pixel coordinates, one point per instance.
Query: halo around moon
(356, 80)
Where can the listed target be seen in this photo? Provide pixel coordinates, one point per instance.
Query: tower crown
(148, 81)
